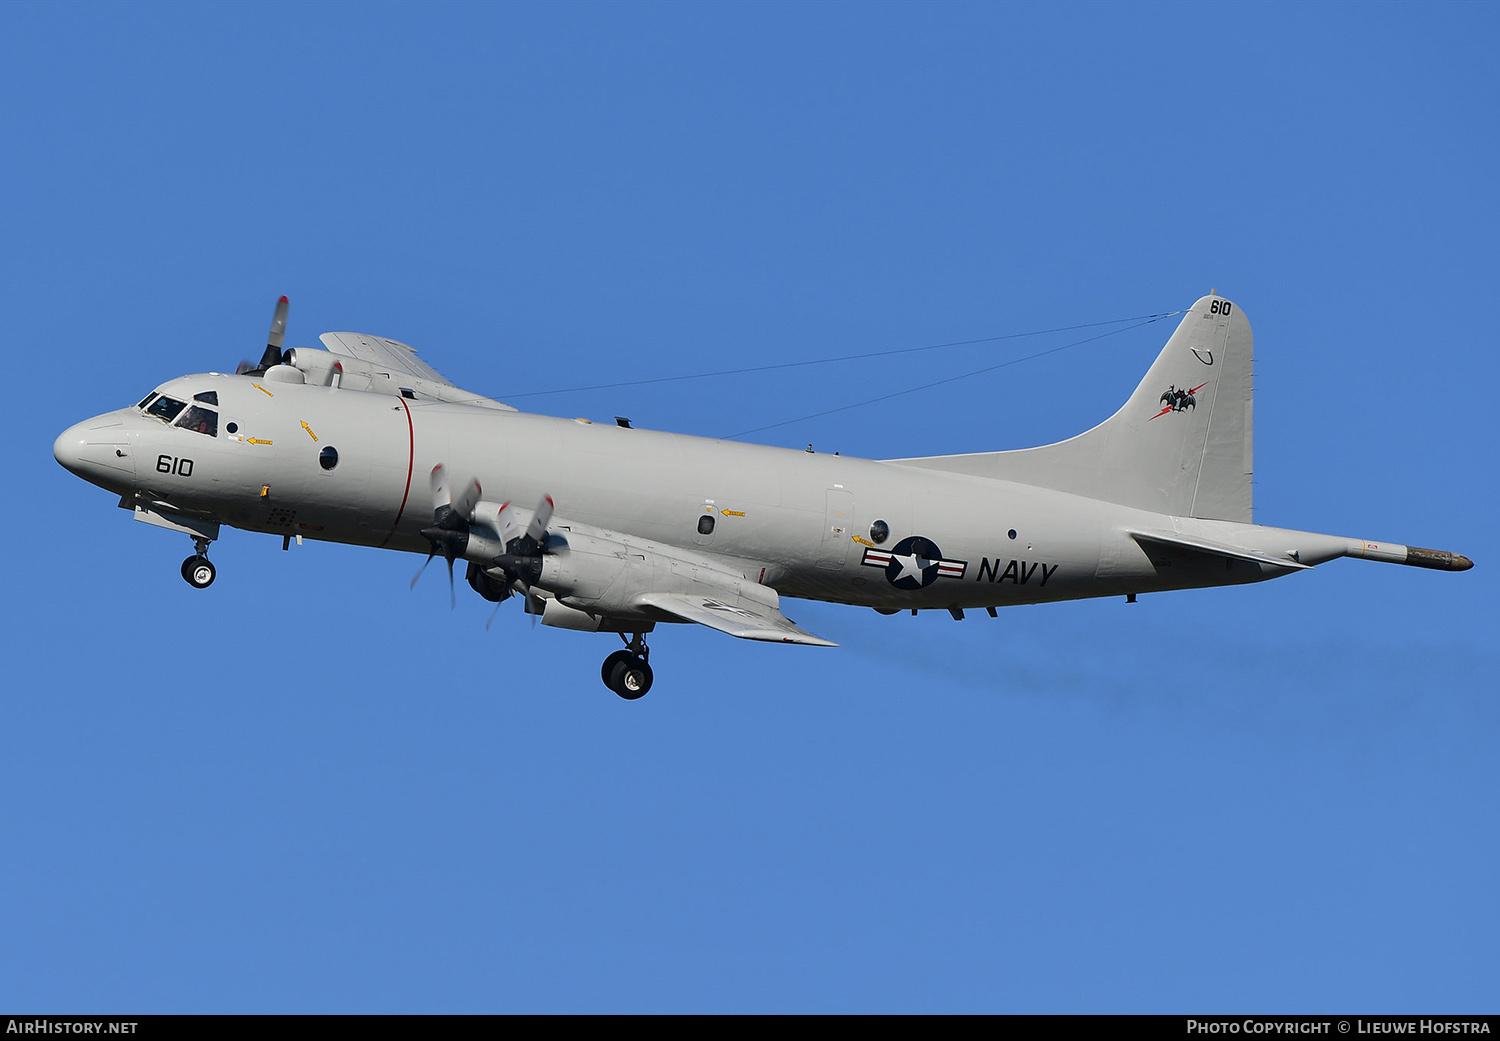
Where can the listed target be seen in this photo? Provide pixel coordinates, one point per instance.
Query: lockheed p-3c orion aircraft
(607, 528)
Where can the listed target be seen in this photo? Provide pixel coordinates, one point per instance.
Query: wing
(391, 364)
(383, 353)
(747, 620)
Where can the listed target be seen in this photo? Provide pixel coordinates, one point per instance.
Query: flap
(747, 620)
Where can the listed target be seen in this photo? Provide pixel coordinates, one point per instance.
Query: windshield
(200, 419)
(165, 408)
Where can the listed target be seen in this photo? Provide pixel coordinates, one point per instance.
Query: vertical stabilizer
(1181, 445)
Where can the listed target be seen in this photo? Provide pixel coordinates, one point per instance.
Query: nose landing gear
(197, 571)
(627, 672)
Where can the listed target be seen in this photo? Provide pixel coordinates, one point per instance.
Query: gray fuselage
(803, 523)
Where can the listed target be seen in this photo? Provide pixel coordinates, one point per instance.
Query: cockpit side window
(202, 420)
(208, 397)
(165, 408)
(146, 401)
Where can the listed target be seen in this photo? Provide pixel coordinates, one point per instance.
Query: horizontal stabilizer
(747, 620)
(1218, 549)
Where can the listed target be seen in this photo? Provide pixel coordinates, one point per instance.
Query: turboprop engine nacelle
(609, 574)
(318, 367)
(322, 368)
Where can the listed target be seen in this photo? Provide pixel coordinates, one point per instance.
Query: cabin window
(328, 458)
(879, 532)
(165, 408)
(201, 421)
(706, 524)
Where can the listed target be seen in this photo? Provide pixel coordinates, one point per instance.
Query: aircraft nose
(98, 450)
(68, 448)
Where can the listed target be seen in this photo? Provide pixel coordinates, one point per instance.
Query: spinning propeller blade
(278, 328)
(277, 337)
(508, 527)
(464, 507)
(539, 520)
(449, 533)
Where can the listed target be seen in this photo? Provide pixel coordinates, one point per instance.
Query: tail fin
(1181, 445)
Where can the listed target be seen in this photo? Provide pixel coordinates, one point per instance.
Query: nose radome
(98, 450)
(68, 448)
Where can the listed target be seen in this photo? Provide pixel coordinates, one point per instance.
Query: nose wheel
(627, 672)
(197, 570)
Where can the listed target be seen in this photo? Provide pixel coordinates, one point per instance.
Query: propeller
(522, 559)
(272, 355)
(455, 528)
(449, 533)
(509, 530)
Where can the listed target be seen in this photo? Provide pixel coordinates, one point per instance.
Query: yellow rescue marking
(263, 390)
(265, 491)
(733, 513)
(256, 441)
(309, 430)
(863, 542)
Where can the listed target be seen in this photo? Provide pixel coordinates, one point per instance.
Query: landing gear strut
(627, 672)
(197, 571)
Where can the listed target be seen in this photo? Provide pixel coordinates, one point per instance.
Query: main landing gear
(197, 571)
(627, 672)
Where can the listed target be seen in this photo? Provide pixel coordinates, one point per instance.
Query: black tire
(607, 670)
(198, 572)
(630, 678)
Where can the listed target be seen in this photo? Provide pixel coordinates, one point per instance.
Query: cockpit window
(146, 400)
(202, 420)
(208, 397)
(165, 408)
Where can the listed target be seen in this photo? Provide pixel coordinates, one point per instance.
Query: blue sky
(309, 789)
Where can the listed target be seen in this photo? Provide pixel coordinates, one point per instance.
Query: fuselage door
(838, 521)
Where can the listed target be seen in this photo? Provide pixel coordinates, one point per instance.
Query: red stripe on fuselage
(411, 454)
